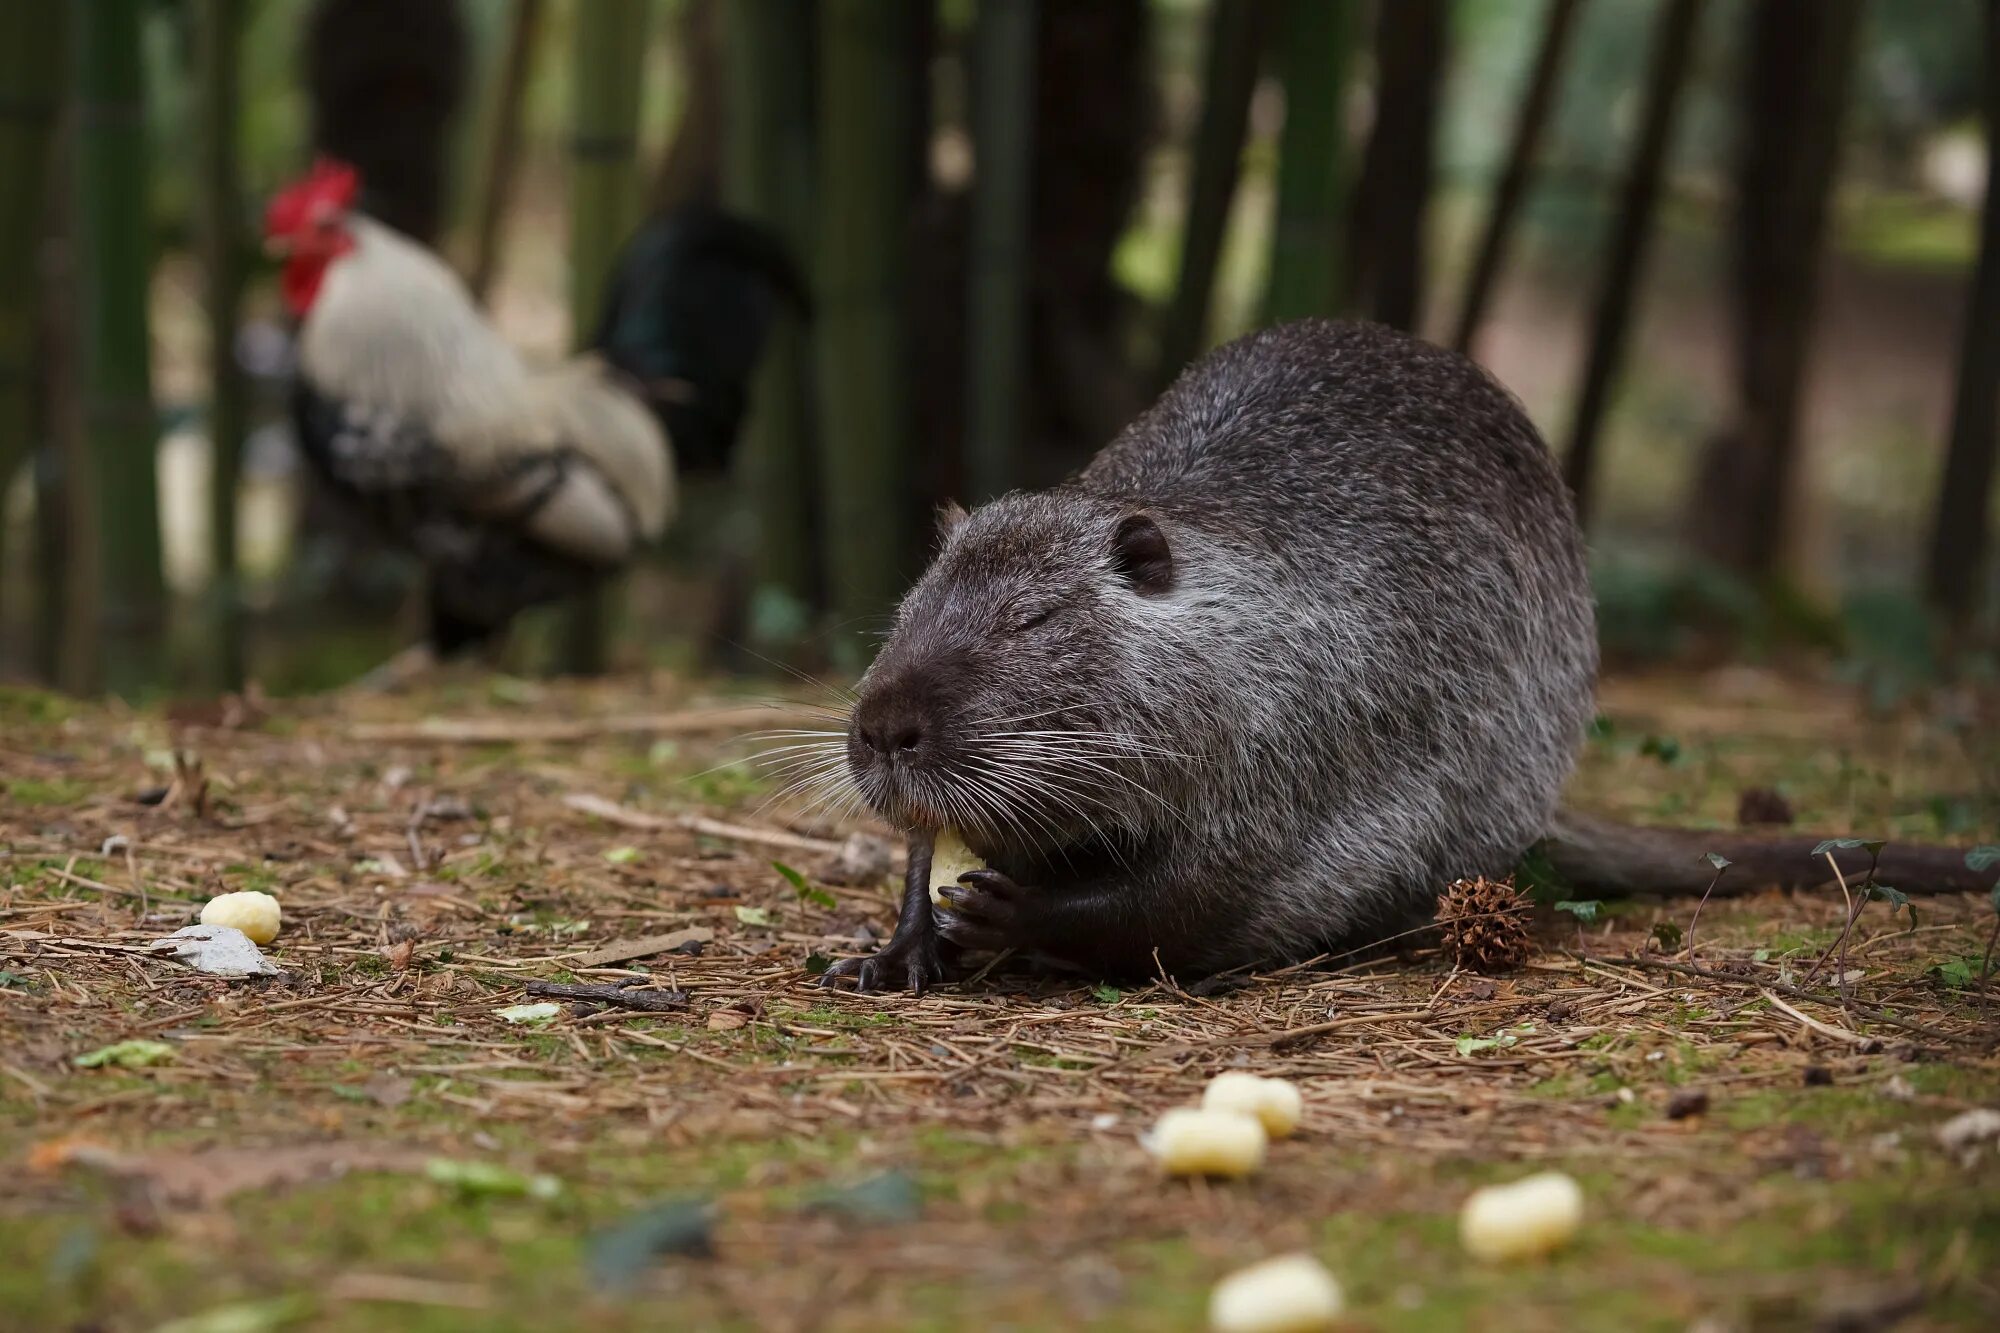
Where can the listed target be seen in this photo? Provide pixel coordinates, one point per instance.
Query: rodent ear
(949, 515)
(1139, 551)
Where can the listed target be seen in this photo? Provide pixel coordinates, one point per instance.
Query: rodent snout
(891, 731)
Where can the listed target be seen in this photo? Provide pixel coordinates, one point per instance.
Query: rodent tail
(1601, 858)
(686, 314)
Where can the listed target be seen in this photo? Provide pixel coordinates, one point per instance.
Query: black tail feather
(689, 308)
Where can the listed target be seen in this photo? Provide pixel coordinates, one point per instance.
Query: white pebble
(1274, 1101)
(255, 914)
(1189, 1141)
(1528, 1218)
(1290, 1294)
(950, 858)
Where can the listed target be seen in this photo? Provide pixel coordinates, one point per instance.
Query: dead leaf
(641, 948)
(389, 1090)
(399, 955)
(725, 1020)
(205, 1179)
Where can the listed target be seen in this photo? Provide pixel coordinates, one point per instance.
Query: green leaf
(620, 1256)
(1663, 748)
(1982, 857)
(817, 964)
(1959, 973)
(754, 916)
(884, 1199)
(1668, 934)
(622, 856)
(1473, 1045)
(134, 1054)
(1898, 900)
(1833, 844)
(1874, 846)
(1107, 994)
(1583, 909)
(1719, 861)
(530, 1013)
(13, 980)
(804, 887)
(1761, 956)
(490, 1178)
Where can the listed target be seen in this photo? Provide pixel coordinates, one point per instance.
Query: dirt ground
(368, 1140)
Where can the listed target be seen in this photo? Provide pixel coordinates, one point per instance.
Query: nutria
(1309, 640)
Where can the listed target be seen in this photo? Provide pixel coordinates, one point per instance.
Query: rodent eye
(1033, 620)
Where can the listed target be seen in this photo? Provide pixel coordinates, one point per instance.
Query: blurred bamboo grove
(1741, 259)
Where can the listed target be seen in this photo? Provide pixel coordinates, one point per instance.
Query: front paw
(912, 965)
(985, 910)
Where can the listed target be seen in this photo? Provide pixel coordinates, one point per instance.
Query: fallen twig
(1867, 1011)
(653, 1001)
(613, 813)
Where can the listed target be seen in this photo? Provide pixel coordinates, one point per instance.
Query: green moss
(46, 791)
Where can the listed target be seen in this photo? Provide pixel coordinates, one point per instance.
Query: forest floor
(369, 1140)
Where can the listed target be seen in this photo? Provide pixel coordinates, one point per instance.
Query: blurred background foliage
(1115, 92)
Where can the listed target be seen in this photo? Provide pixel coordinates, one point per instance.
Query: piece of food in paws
(255, 914)
(1290, 1294)
(950, 858)
(1191, 1141)
(1529, 1218)
(1274, 1101)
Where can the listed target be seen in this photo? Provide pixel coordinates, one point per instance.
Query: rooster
(512, 484)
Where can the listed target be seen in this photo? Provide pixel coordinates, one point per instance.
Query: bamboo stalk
(1638, 206)
(1236, 36)
(609, 47)
(1315, 40)
(1557, 26)
(1003, 136)
(219, 32)
(767, 160)
(1409, 57)
(503, 143)
(1959, 536)
(865, 104)
(114, 264)
(30, 94)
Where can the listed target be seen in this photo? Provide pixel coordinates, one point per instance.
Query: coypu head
(1009, 701)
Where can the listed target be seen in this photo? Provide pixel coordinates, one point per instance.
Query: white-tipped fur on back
(395, 329)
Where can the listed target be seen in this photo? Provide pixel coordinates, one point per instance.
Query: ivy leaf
(1898, 900)
(817, 964)
(1719, 861)
(1983, 857)
(1663, 748)
(1874, 846)
(1583, 909)
(1668, 934)
(1107, 994)
(1832, 844)
(804, 887)
(1959, 973)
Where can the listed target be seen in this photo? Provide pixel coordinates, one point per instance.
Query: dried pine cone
(1485, 924)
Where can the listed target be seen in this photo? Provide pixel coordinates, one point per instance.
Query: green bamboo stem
(114, 262)
(219, 26)
(1236, 34)
(1003, 135)
(767, 175)
(1632, 233)
(1958, 557)
(1557, 25)
(865, 104)
(30, 95)
(1314, 42)
(503, 143)
(609, 47)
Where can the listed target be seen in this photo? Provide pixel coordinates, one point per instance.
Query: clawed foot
(982, 911)
(913, 965)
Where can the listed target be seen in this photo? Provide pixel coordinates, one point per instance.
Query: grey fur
(1367, 677)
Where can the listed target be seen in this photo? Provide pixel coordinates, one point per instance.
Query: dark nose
(891, 728)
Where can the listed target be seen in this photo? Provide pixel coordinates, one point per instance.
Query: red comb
(330, 185)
